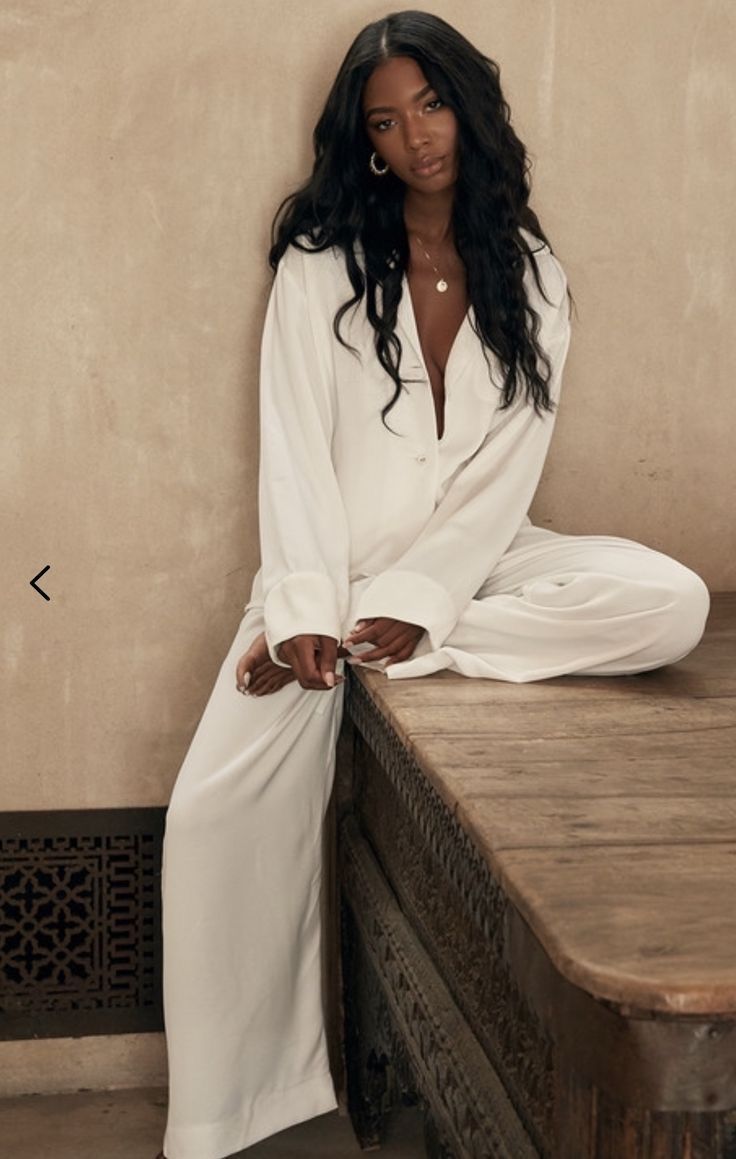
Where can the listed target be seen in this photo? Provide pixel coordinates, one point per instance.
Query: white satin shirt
(417, 522)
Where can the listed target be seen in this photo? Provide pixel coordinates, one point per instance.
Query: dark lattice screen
(80, 922)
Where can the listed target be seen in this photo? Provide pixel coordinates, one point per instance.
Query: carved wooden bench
(538, 909)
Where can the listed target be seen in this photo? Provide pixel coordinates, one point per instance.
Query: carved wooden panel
(404, 1031)
(455, 907)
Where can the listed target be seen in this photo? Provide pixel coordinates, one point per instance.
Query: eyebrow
(390, 108)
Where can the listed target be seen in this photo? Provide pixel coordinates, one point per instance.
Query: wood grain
(607, 809)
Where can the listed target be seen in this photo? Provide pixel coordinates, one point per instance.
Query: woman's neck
(429, 215)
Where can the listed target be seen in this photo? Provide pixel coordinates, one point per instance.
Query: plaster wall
(144, 148)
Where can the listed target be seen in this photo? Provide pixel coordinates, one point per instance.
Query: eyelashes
(433, 105)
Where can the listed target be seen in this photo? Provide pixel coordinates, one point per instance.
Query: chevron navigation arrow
(37, 577)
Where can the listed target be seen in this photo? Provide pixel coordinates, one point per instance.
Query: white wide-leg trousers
(242, 870)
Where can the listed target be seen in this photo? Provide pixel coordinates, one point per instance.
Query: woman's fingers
(246, 666)
(403, 653)
(299, 654)
(327, 660)
(360, 632)
(313, 659)
(382, 631)
(375, 654)
(394, 644)
(272, 683)
(270, 679)
(328, 654)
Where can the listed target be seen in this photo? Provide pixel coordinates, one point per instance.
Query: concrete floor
(129, 1124)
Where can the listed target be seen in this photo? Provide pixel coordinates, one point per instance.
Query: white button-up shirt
(421, 522)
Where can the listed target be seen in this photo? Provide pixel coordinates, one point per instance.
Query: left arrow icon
(37, 577)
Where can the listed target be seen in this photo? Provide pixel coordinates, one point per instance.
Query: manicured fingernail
(330, 679)
(246, 680)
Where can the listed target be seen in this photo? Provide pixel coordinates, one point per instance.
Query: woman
(411, 363)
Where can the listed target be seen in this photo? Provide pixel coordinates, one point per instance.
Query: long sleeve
(303, 527)
(485, 503)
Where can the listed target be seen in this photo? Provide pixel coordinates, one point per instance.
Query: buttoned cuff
(412, 597)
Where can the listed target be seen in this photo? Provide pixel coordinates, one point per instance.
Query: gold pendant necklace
(441, 284)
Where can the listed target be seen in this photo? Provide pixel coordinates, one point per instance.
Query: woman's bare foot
(265, 676)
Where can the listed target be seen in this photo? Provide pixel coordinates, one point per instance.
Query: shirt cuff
(302, 603)
(413, 597)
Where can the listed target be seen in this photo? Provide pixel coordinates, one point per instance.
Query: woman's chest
(404, 452)
(438, 313)
(437, 342)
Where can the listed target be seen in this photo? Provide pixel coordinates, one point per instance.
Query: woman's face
(409, 126)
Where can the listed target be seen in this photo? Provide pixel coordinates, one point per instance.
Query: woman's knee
(687, 612)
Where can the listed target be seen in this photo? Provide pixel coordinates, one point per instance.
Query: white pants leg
(559, 604)
(241, 876)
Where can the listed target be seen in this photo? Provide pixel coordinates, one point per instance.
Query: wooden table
(538, 909)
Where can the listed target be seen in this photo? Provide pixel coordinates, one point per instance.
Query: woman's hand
(395, 639)
(313, 660)
(256, 674)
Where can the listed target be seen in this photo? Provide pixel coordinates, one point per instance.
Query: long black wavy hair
(342, 204)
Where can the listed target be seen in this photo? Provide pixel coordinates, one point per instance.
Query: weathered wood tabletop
(605, 812)
(606, 809)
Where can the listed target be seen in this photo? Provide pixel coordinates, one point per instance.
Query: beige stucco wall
(145, 146)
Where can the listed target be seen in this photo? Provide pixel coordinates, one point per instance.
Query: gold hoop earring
(374, 167)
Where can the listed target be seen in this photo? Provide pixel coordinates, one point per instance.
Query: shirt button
(421, 458)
